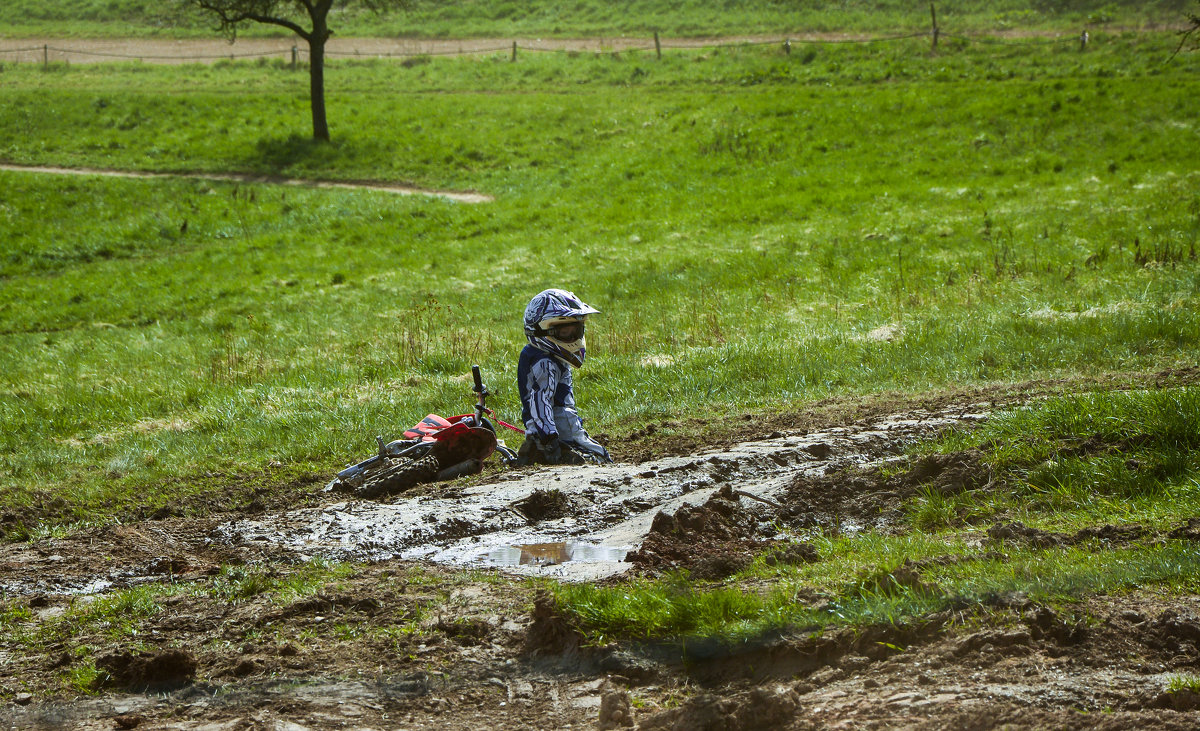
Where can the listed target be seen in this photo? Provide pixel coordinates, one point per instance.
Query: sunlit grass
(677, 610)
(1077, 460)
(1189, 683)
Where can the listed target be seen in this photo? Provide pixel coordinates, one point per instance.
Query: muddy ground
(440, 622)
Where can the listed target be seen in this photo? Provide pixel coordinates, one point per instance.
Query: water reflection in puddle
(551, 554)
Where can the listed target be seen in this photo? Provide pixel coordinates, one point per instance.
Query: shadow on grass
(338, 163)
(295, 153)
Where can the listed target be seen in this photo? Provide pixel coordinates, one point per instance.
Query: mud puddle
(551, 554)
(571, 523)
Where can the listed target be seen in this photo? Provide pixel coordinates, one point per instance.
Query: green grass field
(594, 18)
(747, 220)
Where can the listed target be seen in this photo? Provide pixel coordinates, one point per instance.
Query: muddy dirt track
(437, 627)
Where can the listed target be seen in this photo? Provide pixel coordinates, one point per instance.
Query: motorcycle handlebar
(478, 379)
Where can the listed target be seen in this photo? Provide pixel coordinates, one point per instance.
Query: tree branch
(231, 13)
(1185, 34)
(284, 22)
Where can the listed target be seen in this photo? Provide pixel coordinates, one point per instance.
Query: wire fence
(47, 54)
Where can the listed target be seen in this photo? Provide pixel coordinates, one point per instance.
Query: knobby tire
(400, 476)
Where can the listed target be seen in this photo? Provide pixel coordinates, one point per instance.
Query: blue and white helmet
(554, 323)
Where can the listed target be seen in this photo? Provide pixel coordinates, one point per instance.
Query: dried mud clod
(1020, 533)
(544, 505)
(465, 632)
(1045, 623)
(1175, 632)
(146, 670)
(616, 709)
(792, 554)
(1112, 534)
(321, 604)
(948, 474)
(712, 541)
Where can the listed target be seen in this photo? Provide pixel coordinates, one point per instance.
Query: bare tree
(308, 19)
(1189, 33)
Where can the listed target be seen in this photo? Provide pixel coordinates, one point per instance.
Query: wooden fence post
(45, 55)
(294, 59)
(933, 16)
(1083, 41)
(657, 46)
(514, 56)
(787, 47)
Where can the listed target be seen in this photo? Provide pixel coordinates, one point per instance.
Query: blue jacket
(545, 387)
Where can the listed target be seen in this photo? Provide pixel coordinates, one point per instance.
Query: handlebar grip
(478, 379)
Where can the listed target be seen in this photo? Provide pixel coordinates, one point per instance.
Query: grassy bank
(761, 230)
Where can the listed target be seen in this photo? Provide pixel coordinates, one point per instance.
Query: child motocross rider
(554, 325)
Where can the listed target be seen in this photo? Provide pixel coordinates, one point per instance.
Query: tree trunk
(316, 83)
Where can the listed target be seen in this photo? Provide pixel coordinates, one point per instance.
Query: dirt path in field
(211, 50)
(164, 51)
(249, 178)
(438, 627)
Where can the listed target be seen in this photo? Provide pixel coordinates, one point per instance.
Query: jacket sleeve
(543, 382)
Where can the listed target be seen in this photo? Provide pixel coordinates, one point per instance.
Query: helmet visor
(567, 332)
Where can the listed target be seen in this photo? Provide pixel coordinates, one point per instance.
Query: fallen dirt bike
(437, 448)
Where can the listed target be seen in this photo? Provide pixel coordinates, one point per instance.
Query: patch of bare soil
(415, 644)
